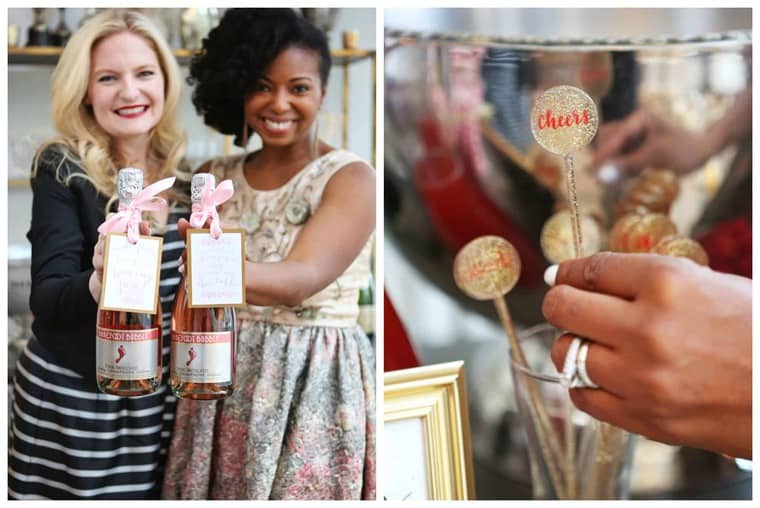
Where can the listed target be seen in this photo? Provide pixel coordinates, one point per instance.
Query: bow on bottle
(129, 216)
(210, 199)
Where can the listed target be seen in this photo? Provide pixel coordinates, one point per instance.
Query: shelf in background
(40, 55)
(44, 55)
(344, 57)
(18, 182)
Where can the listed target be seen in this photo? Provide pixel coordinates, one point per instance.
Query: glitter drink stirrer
(487, 268)
(563, 120)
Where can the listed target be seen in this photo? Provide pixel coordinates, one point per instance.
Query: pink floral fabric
(299, 425)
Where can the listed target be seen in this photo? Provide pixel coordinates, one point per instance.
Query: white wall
(29, 106)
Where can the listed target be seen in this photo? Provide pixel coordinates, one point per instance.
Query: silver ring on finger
(570, 366)
(583, 376)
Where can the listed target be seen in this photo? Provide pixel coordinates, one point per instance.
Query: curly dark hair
(237, 53)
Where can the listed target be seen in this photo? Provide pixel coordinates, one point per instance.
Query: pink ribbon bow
(128, 217)
(207, 207)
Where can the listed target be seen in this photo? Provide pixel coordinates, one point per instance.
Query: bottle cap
(197, 184)
(130, 183)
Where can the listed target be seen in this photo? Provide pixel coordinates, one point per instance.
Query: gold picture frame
(427, 434)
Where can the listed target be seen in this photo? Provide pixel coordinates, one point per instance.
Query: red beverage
(459, 210)
(202, 361)
(128, 344)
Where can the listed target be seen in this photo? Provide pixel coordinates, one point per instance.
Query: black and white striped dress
(69, 441)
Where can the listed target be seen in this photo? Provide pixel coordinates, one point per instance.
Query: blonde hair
(81, 137)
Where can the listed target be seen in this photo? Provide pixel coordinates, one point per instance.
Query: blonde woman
(115, 94)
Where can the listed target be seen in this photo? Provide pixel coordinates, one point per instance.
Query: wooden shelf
(43, 55)
(18, 182)
(33, 52)
(343, 57)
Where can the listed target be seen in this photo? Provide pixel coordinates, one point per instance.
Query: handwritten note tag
(131, 273)
(216, 270)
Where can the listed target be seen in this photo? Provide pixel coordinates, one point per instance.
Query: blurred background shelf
(343, 57)
(45, 55)
(18, 182)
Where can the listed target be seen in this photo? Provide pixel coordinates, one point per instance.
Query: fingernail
(550, 275)
(181, 268)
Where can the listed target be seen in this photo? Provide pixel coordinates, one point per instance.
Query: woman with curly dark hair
(301, 421)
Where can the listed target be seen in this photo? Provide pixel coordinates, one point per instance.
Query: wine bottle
(62, 33)
(38, 34)
(128, 344)
(202, 361)
(367, 308)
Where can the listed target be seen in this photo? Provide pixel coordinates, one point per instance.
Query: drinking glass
(572, 455)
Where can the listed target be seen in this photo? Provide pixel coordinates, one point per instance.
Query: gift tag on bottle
(216, 268)
(131, 274)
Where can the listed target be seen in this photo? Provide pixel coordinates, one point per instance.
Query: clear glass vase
(572, 456)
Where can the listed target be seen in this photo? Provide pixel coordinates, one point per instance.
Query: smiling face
(284, 103)
(126, 86)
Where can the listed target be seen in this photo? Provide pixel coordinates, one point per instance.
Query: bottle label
(201, 357)
(127, 354)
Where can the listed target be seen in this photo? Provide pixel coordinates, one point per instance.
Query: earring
(244, 139)
(315, 144)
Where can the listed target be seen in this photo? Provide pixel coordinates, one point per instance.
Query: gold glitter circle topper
(681, 247)
(487, 268)
(564, 119)
(557, 236)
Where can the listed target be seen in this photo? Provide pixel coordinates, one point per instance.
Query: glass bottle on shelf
(38, 34)
(367, 308)
(62, 33)
(128, 344)
(203, 339)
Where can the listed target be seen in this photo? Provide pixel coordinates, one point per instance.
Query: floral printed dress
(301, 421)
